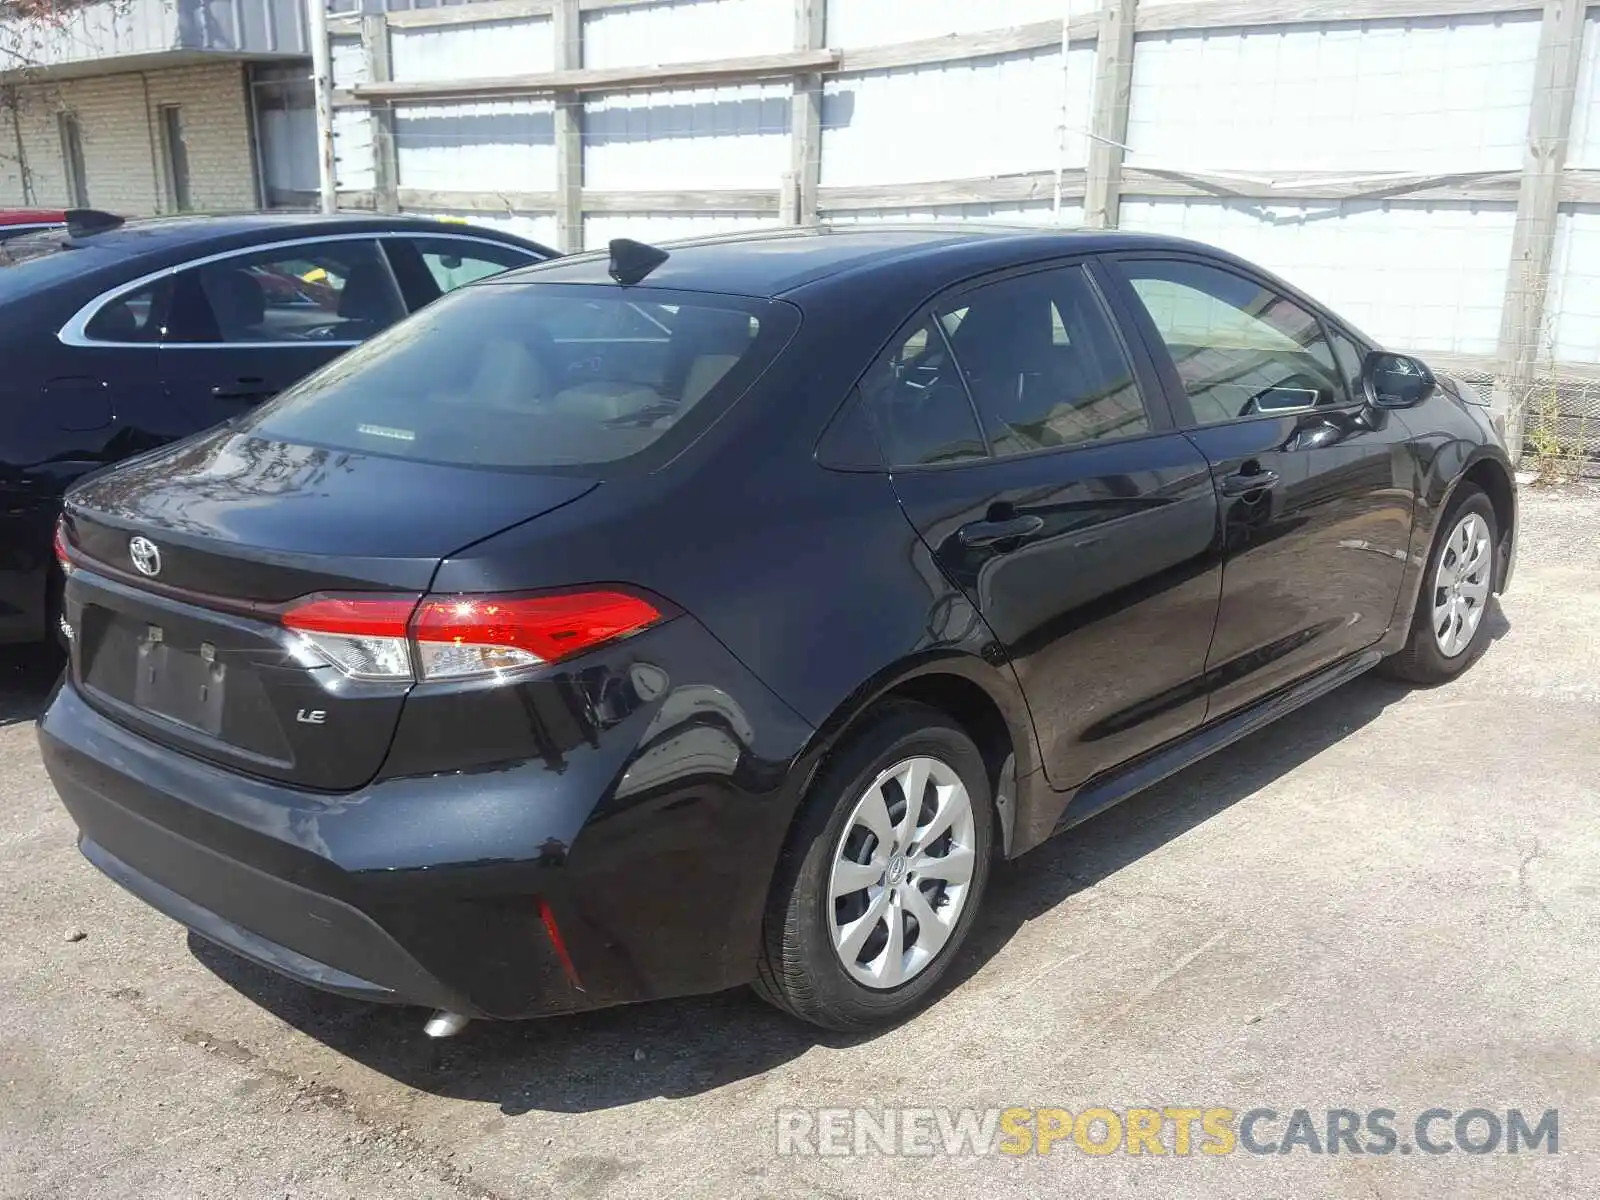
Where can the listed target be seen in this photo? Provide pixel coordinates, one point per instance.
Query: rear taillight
(62, 559)
(364, 636)
(460, 637)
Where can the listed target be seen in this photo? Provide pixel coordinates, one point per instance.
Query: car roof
(154, 234)
(772, 263)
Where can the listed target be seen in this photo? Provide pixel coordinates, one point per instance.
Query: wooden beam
(805, 124)
(732, 200)
(957, 46)
(763, 201)
(1108, 120)
(1324, 186)
(1533, 238)
(485, 202)
(1000, 189)
(385, 161)
(1199, 15)
(567, 31)
(605, 79)
(1580, 187)
(1497, 187)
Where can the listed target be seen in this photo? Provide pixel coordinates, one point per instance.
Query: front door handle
(1242, 484)
(987, 533)
(244, 389)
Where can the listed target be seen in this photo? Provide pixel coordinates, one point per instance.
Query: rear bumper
(355, 936)
(652, 854)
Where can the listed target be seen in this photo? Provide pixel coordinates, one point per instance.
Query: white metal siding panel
(687, 138)
(352, 127)
(1417, 276)
(879, 22)
(348, 61)
(352, 150)
(519, 47)
(484, 145)
(1421, 96)
(666, 33)
(86, 32)
(1033, 212)
(540, 228)
(987, 116)
(600, 228)
(1584, 147)
(1574, 304)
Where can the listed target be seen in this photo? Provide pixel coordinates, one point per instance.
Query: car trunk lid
(190, 556)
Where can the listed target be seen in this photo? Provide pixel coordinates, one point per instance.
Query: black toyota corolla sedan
(120, 336)
(652, 622)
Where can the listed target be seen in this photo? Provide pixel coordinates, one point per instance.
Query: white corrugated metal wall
(1267, 105)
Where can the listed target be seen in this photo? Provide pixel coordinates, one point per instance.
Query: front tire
(883, 876)
(1449, 631)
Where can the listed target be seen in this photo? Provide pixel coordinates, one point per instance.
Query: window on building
(72, 159)
(175, 156)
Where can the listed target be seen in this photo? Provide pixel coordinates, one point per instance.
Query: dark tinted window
(1241, 350)
(339, 291)
(918, 404)
(1044, 363)
(453, 263)
(489, 376)
(134, 317)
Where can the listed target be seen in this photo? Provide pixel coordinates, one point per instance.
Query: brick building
(157, 106)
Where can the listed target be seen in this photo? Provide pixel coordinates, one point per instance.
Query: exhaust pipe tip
(445, 1024)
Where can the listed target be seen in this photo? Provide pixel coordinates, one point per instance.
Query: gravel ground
(1389, 900)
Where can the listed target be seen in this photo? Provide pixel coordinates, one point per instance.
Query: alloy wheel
(902, 872)
(1461, 584)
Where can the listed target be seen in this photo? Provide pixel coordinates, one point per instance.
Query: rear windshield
(38, 260)
(537, 375)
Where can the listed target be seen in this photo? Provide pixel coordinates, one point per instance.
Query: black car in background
(641, 625)
(117, 337)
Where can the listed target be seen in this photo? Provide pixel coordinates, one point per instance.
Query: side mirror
(1396, 380)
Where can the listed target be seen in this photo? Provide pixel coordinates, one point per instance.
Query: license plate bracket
(181, 685)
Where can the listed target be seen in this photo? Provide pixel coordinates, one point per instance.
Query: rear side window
(1044, 363)
(537, 376)
(131, 317)
(918, 404)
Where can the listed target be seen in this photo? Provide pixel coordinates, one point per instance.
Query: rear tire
(1449, 629)
(854, 870)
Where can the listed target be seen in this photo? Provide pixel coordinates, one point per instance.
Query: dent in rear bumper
(652, 838)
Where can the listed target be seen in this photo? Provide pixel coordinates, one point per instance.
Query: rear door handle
(1242, 484)
(987, 533)
(244, 389)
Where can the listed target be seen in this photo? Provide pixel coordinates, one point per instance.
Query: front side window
(1043, 362)
(917, 403)
(1351, 359)
(536, 376)
(335, 291)
(1241, 350)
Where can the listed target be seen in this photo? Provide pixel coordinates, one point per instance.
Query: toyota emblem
(146, 556)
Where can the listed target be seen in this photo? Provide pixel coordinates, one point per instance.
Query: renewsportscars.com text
(1176, 1130)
